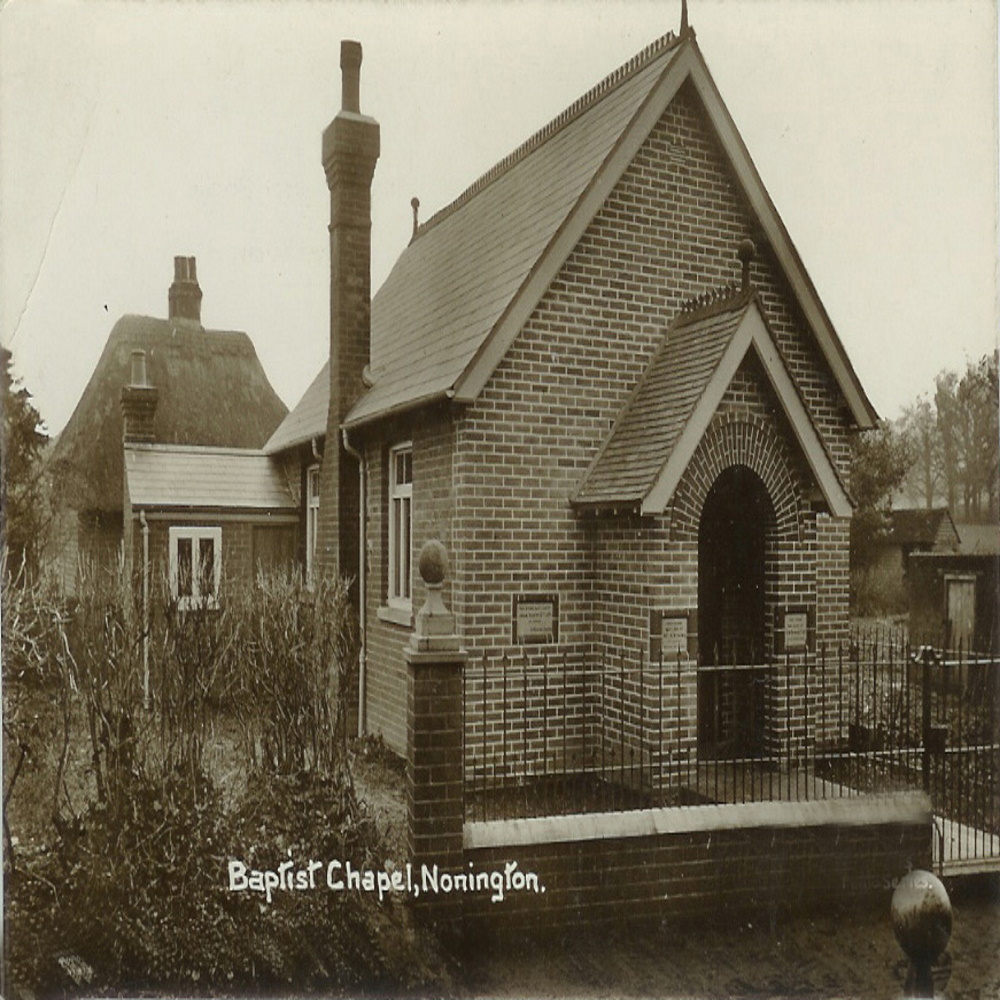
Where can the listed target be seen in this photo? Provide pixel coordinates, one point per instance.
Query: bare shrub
(288, 670)
(38, 669)
(133, 886)
(189, 650)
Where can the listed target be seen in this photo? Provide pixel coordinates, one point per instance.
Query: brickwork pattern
(350, 153)
(748, 873)
(432, 438)
(668, 231)
(435, 804)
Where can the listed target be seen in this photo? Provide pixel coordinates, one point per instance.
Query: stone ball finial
(433, 563)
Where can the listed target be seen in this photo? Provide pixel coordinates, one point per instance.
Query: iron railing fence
(548, 734)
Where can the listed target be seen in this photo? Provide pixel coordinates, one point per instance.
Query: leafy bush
(877, 590)
(133, 893)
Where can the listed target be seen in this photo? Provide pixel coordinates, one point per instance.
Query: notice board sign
(798, 629)
(673, 634)
(535, 618)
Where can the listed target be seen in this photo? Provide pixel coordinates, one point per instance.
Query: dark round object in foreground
(921, 916)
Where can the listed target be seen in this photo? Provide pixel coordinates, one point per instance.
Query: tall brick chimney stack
(350, 152)
(184, 297)
(139, 400)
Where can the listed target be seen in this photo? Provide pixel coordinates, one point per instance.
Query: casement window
(400, 524)
(195, 566)
(312, 518)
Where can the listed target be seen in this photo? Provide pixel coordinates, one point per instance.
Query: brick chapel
(603, 378)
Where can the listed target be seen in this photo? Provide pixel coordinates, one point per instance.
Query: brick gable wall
(668, 231)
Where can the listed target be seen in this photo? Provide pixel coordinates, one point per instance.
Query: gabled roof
(204, 478)
(923, 527)
(307, 420)
(211, 387)
(464, 287)
(655, 436)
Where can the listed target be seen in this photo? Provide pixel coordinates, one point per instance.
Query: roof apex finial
(415, 205)
(684, 16)
(746, 252)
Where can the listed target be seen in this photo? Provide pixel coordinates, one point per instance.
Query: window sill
(396, 616)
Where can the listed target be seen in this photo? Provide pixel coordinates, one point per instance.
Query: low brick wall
(754, 861)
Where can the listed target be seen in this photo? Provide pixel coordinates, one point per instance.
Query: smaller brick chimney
(184, 297)
(139, 400)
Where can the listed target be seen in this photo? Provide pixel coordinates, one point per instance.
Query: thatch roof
(212, 391)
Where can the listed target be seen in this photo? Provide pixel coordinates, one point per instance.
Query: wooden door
(960, 595)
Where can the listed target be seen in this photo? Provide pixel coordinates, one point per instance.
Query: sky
(131, 132)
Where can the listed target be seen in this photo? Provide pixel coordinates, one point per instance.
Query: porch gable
(659, 429)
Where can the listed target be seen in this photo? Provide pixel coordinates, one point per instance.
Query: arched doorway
(735, 536)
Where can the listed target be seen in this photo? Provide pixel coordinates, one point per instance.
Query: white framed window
(195, 566)
(312, 518)
(400, 524)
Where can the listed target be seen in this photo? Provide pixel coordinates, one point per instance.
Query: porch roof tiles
(652, 420)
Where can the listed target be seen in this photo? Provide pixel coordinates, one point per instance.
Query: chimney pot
(350, 76)
(184, 296)
(139, 368)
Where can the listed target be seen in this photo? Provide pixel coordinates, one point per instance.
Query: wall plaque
(536, 618)
(673, 634)
(798, 631)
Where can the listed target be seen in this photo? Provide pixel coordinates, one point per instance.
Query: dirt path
(825, 956)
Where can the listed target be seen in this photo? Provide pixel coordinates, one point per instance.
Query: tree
(879, 463)
(918, 427)
(967, 419)
(22, 492)
(955, 442)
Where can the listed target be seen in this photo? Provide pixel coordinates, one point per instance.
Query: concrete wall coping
(859, 810)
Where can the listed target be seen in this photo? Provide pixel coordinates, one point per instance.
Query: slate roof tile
(211, 478)
(653, 418)
(453, 282)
